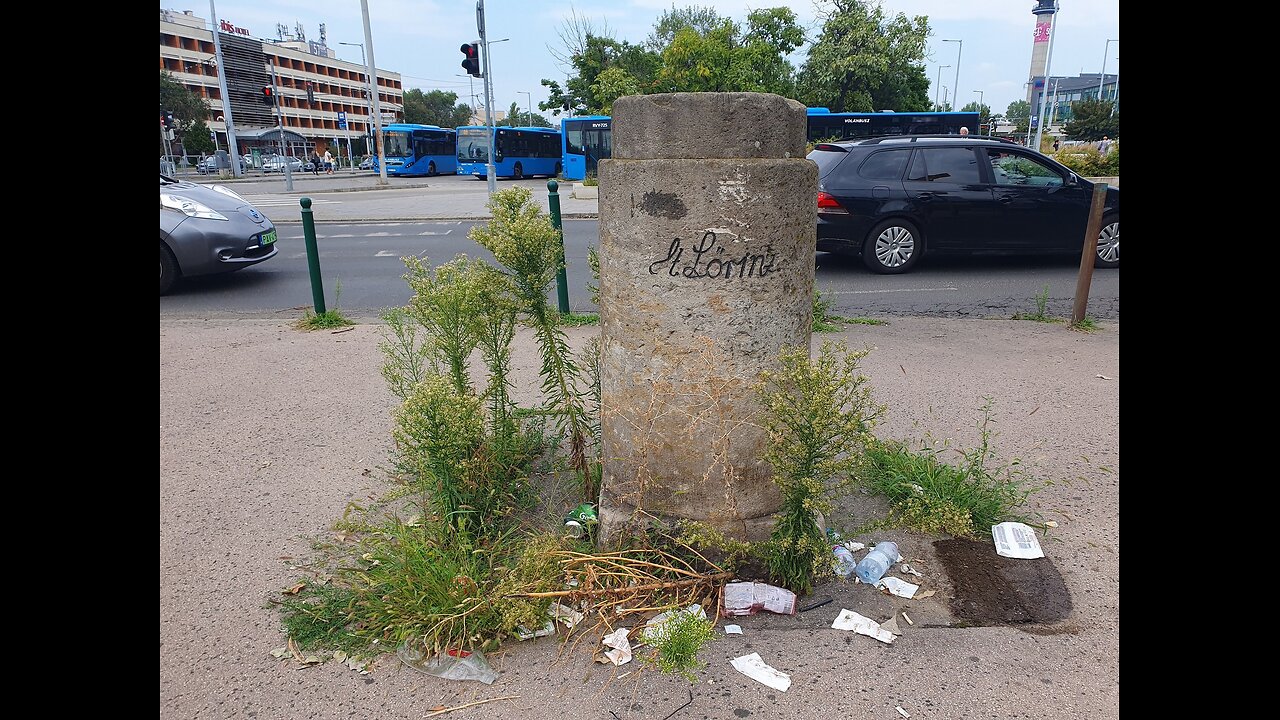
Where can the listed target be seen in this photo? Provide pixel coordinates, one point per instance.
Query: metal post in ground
(562, 279)
(1085, 278)
(313, 255)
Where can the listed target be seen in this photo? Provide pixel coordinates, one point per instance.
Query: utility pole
(377, 107)
(937, 89)
(226, 97)
(490, 170)
(284, 156)
(980, 106)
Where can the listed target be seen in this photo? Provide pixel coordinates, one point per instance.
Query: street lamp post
(956, 85)
(1106, 50)
(369, 120)
(937, 88)
(528, 105)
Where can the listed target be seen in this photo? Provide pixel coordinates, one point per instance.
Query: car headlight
(189, 207)
(228, 192)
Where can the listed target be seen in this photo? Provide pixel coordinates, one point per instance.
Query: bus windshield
(473, 145)
(396, 144)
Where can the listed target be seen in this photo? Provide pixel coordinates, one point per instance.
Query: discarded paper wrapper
(850, 620)
(756, 669)
(1016, 540)
(748, 598)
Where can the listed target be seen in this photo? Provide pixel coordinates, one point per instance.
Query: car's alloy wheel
(1109, 243)
(891, 248)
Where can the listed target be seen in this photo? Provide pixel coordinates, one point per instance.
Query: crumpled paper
(756, 669)
(621, 652)
(850, 620)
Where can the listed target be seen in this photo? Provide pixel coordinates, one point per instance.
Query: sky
(420, 39)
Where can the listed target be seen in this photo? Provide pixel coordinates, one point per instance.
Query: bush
(1086, 161)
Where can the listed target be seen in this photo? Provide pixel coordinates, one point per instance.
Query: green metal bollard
(562, 278)
(313, 255)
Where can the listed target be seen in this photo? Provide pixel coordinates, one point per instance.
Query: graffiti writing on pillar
(709, 259)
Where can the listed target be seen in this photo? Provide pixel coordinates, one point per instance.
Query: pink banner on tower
(1042, 32)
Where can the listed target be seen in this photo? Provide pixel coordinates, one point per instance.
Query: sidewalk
(310, 415)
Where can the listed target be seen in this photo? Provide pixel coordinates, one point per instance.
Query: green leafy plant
(319, 617)
(446, 303)
(407, 358)
(866, 321)
(592, 181)
(823, 320)
(677, 643)
(1040, 315)
(522, 239)
(1086, 324)
(578, 320)
(963, 499)
(819, 414)
(327, 320)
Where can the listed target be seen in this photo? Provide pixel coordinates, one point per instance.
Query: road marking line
(386, 253)
(871, 292)
(432, 232)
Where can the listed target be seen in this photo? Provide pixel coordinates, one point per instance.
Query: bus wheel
(559, 169)
(518, 173)
(431, 168)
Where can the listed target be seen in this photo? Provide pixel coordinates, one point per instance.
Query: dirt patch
(994, 590)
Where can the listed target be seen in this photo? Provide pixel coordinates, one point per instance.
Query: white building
(187, 53)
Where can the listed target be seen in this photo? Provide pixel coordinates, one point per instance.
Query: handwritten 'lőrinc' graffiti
(707, 263)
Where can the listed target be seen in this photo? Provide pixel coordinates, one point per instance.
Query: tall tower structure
(1045, 11)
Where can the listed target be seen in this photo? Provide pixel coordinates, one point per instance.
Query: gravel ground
(267, 433)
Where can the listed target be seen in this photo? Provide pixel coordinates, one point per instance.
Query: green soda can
(580, 521)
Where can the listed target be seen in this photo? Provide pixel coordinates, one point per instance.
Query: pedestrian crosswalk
(277, 200)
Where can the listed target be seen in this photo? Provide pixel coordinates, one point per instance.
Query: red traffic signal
(472, 61)
(268, 95)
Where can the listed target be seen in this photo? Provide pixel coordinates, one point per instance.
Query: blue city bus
(418, 149)
(518, 151)
(826, 125)
(587, 140)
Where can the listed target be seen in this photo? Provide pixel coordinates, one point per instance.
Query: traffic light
(167, 119)
(268, 95)
(472, 62)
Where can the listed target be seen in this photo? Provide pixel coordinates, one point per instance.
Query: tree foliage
(186, 106)
(864, 61)
(196, 139)
(1019, 113)
(1091, 119)
(436, 107)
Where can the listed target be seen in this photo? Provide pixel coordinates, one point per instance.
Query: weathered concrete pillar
(707, 227)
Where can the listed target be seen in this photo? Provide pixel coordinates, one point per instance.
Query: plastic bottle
(877, 562)
(844, 561)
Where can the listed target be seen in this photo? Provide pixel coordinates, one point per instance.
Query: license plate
(268, 237)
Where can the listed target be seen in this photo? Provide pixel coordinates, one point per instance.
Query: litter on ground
(850, 620)
(732, 629)
(901, 588)
(756, 669)
(620, 654)
(748, 598)
(1016, 540)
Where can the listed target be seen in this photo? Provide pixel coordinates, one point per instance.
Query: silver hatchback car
(206, 229)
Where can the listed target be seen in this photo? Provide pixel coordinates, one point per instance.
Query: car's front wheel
(168, 269)
(892, 247)
(1109, 243)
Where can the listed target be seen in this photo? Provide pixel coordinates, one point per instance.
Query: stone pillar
(708, 211)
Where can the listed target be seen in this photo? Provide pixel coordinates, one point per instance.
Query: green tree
(864, 61)
(1091, 119)
(1019, 113)
(196, 139)
(186, 106)
(437, 107)
(612, 84)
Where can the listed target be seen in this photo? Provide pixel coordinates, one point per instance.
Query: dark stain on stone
(742, 712)
(663, 204)
(995, 590)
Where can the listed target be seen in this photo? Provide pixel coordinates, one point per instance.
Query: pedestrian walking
(1104, 145)
(328, 162)
(315, 164)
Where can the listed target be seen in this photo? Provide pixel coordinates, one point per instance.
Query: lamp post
(956, 85)
(475, 106)
(980, 106)
(528, 105)
(368, 125)
(1105, 51)
(937, 88)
